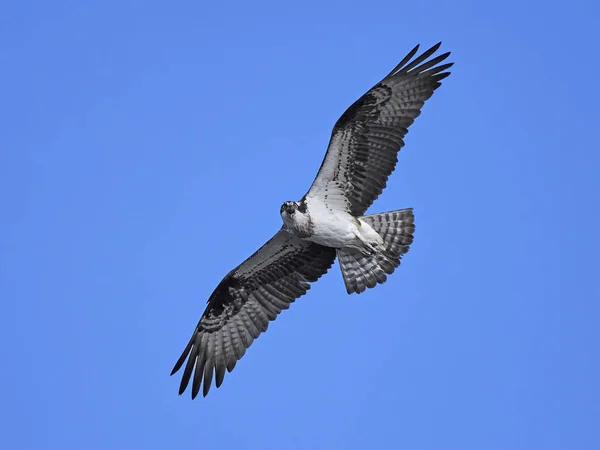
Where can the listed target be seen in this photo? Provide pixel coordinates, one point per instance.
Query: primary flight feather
(327, 222)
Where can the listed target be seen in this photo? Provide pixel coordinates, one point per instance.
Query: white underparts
(332, 227)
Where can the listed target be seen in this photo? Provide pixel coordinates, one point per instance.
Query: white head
(295, 216)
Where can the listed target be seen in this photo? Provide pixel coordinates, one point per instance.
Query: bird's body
(329, 227)
(328, 222)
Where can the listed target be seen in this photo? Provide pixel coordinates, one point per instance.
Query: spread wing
(244, 302)
(366, 139)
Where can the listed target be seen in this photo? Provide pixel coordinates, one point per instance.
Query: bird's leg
(367, 248)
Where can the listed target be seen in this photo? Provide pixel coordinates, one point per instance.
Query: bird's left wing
(244, 302)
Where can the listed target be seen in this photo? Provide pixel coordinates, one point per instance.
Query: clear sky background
(145, 150)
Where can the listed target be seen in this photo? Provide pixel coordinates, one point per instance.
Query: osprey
(328, 221)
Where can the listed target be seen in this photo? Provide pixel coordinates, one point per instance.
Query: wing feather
(220, 363)
(365, 141)
(244, 302)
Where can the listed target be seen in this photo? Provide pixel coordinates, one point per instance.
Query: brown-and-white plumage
(328, 221)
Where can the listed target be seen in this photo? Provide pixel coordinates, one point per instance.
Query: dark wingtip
(194, 392)
(406, 64)
(182, 387)
(183, 356)
(219, 372)
(196, 382)
(404, 61)
(177, 366)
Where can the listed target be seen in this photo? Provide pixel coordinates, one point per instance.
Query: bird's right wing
(244, 302)
(366, 139)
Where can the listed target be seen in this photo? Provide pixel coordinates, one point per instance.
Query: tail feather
(362, 271)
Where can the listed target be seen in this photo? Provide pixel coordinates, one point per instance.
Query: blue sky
(145, 150)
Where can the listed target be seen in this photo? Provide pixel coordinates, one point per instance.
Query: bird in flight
(328, 221)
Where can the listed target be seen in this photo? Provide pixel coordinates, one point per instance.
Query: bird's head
(288, 208)
(295, 216)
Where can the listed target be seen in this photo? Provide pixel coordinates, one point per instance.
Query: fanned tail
(361, 271)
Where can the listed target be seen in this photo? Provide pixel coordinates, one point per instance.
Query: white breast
(333, 228)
